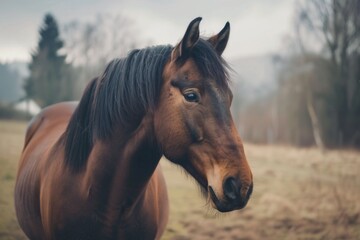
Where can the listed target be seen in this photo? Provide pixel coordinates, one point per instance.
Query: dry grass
(11, 142)
(298, 194)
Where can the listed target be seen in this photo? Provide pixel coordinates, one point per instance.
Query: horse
(90, 170)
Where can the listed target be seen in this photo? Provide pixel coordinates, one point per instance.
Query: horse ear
(188, 41)
(219, 41)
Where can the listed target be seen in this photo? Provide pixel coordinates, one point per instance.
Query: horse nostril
(231, 190)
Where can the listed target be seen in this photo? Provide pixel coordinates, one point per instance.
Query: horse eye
(191, 97)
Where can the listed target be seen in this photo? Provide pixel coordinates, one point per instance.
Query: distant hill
(21, 67)
(12, 77)
(253, 77)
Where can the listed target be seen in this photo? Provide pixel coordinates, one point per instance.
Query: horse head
(193, 122)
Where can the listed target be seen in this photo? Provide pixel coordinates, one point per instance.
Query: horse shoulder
(157, 188)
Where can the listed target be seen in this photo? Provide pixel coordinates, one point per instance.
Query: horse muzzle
(235, 196)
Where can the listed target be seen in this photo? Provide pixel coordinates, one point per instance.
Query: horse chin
(203, 190)
(201, 182)
(202, 187)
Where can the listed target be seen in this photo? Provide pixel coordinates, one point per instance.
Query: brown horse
(90, 170)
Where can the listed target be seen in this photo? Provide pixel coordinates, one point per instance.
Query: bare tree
(91, 45)
(108, 37)
(336, 26)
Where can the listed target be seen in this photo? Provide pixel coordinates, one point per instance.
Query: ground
(298, 194)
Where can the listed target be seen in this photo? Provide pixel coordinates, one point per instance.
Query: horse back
(46, 127)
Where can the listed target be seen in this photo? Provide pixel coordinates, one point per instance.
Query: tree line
(317, 101)
(60, 70)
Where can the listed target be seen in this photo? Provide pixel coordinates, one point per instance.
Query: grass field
(298, 194)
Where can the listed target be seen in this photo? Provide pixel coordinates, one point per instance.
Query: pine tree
(50, 76)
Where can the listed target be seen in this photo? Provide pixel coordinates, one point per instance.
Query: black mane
(126, 90)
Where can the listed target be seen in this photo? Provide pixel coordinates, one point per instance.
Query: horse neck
(118, 170)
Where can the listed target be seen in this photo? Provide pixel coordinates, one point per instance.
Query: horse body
(89, 170)
(64, 205)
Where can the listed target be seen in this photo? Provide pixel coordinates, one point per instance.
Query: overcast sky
(257, 26)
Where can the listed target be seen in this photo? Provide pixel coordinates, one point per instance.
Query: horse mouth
(225, 206)
(207, 190)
